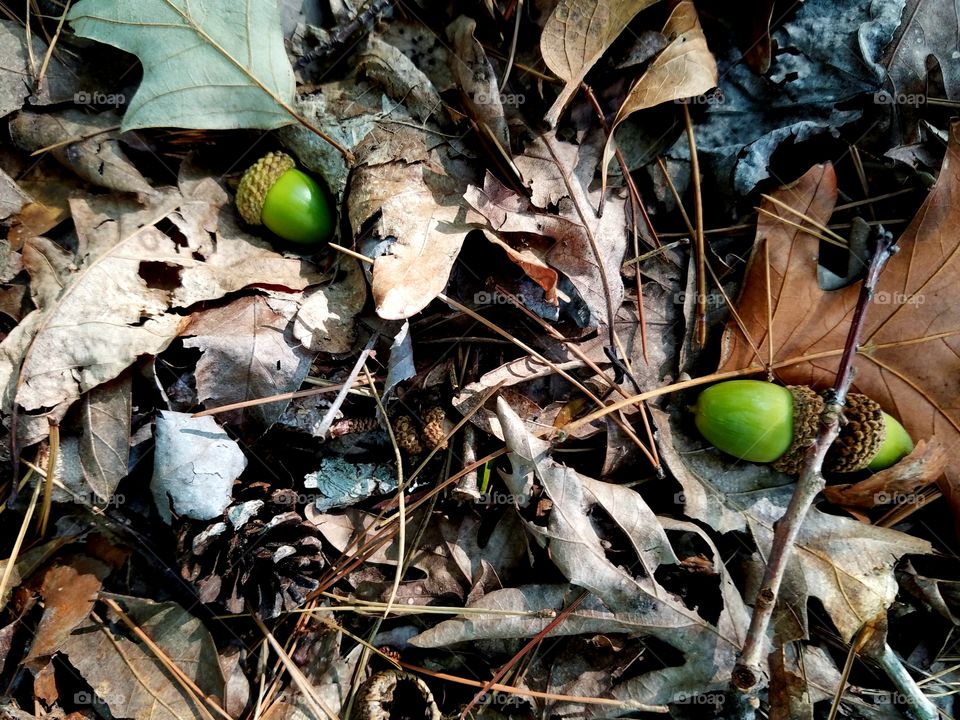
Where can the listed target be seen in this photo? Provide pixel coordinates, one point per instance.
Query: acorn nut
(766, 423)
(289, 202)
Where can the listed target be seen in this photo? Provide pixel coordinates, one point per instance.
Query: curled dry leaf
(906, 478)
(413, 187)
(87, 144)
(574, 37)
(909, 358)
(476, 79)
(685, 68)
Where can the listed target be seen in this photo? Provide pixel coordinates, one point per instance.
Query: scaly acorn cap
(257, 181)
(807, 408)
(860, 437)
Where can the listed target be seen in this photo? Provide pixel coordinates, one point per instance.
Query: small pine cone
(434, 431)
(352, 426)
(408, 439)
(262, 555)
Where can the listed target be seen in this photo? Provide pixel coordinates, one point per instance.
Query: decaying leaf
(94, 152)
(69, 592)
(629, 598)
(213, 65)
(195, 465)
(925, 33)
(574, 37)
(130, 679)
(412, 188)
(16, 75)
(62, 349)
(557, 175)
(249, 352)
(325, 321)
(684, 69)
(477, 80)
(104, 447)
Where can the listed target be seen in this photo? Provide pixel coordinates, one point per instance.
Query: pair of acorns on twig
(767, 423)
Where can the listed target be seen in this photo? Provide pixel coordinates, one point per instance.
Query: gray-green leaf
(216, 64)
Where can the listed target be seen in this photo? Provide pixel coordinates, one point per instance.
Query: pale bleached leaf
(325, 321)
(214, 64)
(195, 465)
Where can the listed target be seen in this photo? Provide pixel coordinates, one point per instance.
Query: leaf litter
(456, 441)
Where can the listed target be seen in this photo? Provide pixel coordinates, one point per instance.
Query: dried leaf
(684, 69)
(476, 79)
(417, 190)
(130, 679)
(249, 352)
(105, 440)
(571, 537)
(557, 176)
(94, 153)
(574, 37)
(926, 35)
(845, 563)
(69, 593)
(62, 349)
(16, 74)
(904, 480)
(12, 198)
(325, 320)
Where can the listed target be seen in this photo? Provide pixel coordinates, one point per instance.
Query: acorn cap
(257, 181)
(860, 438)
(807, 407)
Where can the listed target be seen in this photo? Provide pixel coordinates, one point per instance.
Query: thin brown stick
(748, 672)
(699, 240)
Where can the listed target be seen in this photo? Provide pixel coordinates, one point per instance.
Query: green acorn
(762, 422)
(289, 202)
